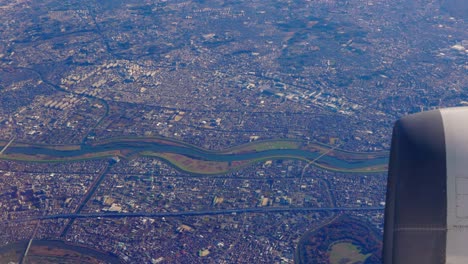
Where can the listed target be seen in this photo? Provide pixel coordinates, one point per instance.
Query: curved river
(193, 152)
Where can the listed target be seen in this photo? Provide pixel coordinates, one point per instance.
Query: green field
(346, 253)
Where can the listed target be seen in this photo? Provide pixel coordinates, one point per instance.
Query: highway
(87, 196)
(205, 212)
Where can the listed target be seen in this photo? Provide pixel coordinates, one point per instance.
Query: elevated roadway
(204, 212)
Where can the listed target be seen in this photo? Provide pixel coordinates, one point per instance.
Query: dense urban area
(214, 75)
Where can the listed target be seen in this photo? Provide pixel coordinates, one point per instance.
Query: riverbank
(193, 159)
(54, 251)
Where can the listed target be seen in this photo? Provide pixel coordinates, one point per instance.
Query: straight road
(206, 212)
(86, 198)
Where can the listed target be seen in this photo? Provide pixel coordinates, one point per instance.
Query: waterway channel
(136, 147)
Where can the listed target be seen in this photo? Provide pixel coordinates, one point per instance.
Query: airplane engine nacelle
(426, 214)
